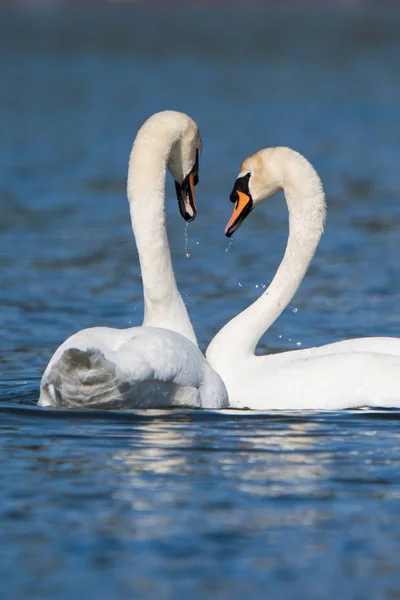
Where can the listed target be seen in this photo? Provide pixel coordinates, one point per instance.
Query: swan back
(141, 367)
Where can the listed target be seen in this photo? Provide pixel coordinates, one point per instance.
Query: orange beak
(242, 208)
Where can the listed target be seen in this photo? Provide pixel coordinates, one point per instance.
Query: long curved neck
(163, 305)
(306, 204)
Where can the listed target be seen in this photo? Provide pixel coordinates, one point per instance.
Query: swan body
(159, 364)
(348, 374)
(140, 367)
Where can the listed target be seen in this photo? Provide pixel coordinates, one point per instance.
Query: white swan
(348, 374)
(159, 364)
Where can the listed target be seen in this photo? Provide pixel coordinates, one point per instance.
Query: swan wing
(326, 382)
(142, 367)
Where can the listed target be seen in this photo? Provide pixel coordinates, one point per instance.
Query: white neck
(163, 305)
(307, 209)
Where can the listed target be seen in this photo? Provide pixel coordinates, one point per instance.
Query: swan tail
(80, 379)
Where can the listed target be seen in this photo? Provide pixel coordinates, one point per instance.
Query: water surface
(177, 504)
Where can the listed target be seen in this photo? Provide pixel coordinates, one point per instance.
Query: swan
(159, 364)
(348, 374)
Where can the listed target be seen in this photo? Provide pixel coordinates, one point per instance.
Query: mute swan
(159, 364)
(348, 374)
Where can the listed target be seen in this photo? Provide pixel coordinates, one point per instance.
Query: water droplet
(280, 337)
(295, 310)
(187, 254)
(298, 343)
(228, 246)
(197, 243)
(290, 339)
(256, 285)
(239, 284)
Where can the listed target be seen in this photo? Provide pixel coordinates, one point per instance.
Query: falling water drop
(298, 343)
(228, 246)
(187, 254)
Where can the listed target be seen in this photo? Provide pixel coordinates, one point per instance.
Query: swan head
(172, 138)
(183, 164)
(258, 179)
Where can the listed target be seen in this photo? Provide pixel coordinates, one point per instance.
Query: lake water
(192, 504)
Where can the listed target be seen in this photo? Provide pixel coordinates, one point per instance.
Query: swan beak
(243, 207)
(186, 197)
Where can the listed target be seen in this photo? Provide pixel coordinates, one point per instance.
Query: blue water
(190, 504)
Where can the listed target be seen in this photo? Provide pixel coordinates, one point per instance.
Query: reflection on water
(178, 504)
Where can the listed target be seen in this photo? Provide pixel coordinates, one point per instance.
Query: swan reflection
(271, 461)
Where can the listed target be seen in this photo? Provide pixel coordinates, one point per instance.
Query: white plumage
(141, 367)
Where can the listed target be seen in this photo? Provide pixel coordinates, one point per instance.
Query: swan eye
(241, 185)
(234, 197)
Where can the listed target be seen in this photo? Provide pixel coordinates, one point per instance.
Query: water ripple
(177, 504)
